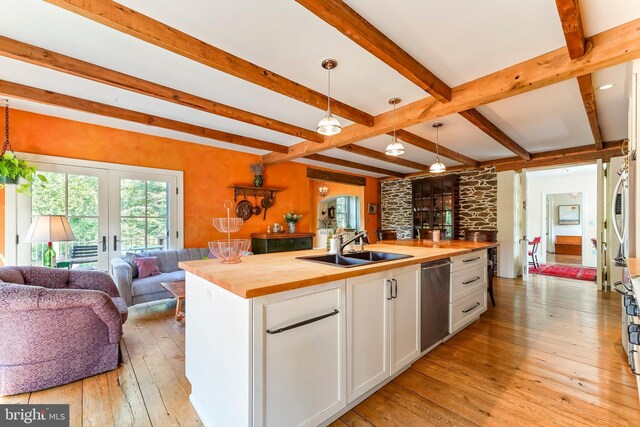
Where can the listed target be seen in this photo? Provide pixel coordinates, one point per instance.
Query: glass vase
(257, 181)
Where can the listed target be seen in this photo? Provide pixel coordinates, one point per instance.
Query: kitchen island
(279, 341)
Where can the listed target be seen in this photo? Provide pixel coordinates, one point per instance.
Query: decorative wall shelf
(242, 190)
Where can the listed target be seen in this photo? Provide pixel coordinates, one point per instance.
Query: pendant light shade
(394, 148)
(329, 125)
(438, 166)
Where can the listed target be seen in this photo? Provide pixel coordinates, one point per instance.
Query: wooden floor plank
(69, 394)
(96, 402)
(127, 403)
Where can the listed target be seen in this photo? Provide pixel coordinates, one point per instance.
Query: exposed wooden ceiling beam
(128, 21)
(346, 20)
(425, 144)
(486, 126)
(353, 165)
(374, 154)
(47, 97)
(574, 155)
(55, 61)
(566, 156)
(569, 11)
(589, 99)
(611, 47)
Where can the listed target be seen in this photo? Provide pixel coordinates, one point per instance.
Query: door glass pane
(144, 215)
(75, 196)
(132, 197)
(50, 199)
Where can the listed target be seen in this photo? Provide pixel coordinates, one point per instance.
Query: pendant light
(394, 148)
(323, 189)
(437, 167)
(329, 125)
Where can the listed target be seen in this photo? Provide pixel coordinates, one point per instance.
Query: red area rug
(567, 272)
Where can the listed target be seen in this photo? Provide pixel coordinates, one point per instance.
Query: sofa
(136, 290)
(56, 326)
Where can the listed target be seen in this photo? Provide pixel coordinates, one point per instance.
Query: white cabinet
(404, 315)
(300, 353)
(367, 332)
(383, 326)
(468, 295)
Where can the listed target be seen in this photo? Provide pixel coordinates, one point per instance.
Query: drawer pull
(390, 297)
(303, 323)
(471, 259)
(471, 281)
(472, 308)
(395, 286)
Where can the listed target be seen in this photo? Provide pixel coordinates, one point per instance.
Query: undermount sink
(354, 259)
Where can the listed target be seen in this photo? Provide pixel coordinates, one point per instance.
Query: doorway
(563, 222)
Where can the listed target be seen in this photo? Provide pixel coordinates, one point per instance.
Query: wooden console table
(568, 245)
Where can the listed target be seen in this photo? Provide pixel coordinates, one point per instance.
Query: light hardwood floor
(548, 354)
(555, 259)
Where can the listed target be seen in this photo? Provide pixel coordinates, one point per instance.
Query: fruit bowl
(229, 251)
(228, 225)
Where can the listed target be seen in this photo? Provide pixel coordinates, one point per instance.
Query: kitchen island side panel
(218, 353)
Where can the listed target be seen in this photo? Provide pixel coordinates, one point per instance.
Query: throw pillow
(147, 266)
(129, 259)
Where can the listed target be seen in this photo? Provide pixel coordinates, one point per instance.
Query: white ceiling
(458, 40)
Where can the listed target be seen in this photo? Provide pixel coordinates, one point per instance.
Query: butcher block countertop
(259, 275)
(633, 265)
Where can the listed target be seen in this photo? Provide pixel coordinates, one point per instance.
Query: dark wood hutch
(436, 203)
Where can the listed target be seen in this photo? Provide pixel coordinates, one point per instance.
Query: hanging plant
(12, 168)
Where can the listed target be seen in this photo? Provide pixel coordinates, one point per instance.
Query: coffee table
(177, 290)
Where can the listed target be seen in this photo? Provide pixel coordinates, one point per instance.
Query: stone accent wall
(478, 200)
(396, 207)
(477, 206)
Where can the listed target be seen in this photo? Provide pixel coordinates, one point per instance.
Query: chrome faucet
(364, 240)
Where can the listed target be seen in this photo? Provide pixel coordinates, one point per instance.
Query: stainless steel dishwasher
(434, 305)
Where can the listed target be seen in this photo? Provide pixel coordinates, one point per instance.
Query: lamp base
(49, 257)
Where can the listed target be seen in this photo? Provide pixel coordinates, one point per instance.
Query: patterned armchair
(56, 326)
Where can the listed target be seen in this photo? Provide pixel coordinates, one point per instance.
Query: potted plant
(258, 170)
(292, 219)
(12, 168)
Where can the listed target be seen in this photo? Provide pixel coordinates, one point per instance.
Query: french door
(110, 212)
(142, 216)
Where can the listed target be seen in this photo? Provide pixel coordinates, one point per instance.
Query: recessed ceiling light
(605, 87)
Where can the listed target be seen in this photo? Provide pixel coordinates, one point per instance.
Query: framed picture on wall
(372, 208)
(569, 214)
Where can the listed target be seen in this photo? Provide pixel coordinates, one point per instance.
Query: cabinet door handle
(471, 281)
(303, 323)
(390, 297)
(471, 259)
(395, 285)
(472, 308)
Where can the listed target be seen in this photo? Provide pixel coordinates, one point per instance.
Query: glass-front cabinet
(434, 206)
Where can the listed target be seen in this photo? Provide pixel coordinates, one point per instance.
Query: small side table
(177, 290)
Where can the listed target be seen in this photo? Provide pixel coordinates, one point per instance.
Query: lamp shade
(437, 167)
(50, 228)
(394, 148)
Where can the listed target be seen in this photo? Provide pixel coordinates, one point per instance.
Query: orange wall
(208, 171)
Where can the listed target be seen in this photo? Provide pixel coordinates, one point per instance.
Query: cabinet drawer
(467, 309)
(464, 282)
(471, 260)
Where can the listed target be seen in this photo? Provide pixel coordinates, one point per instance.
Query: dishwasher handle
(431, 266)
